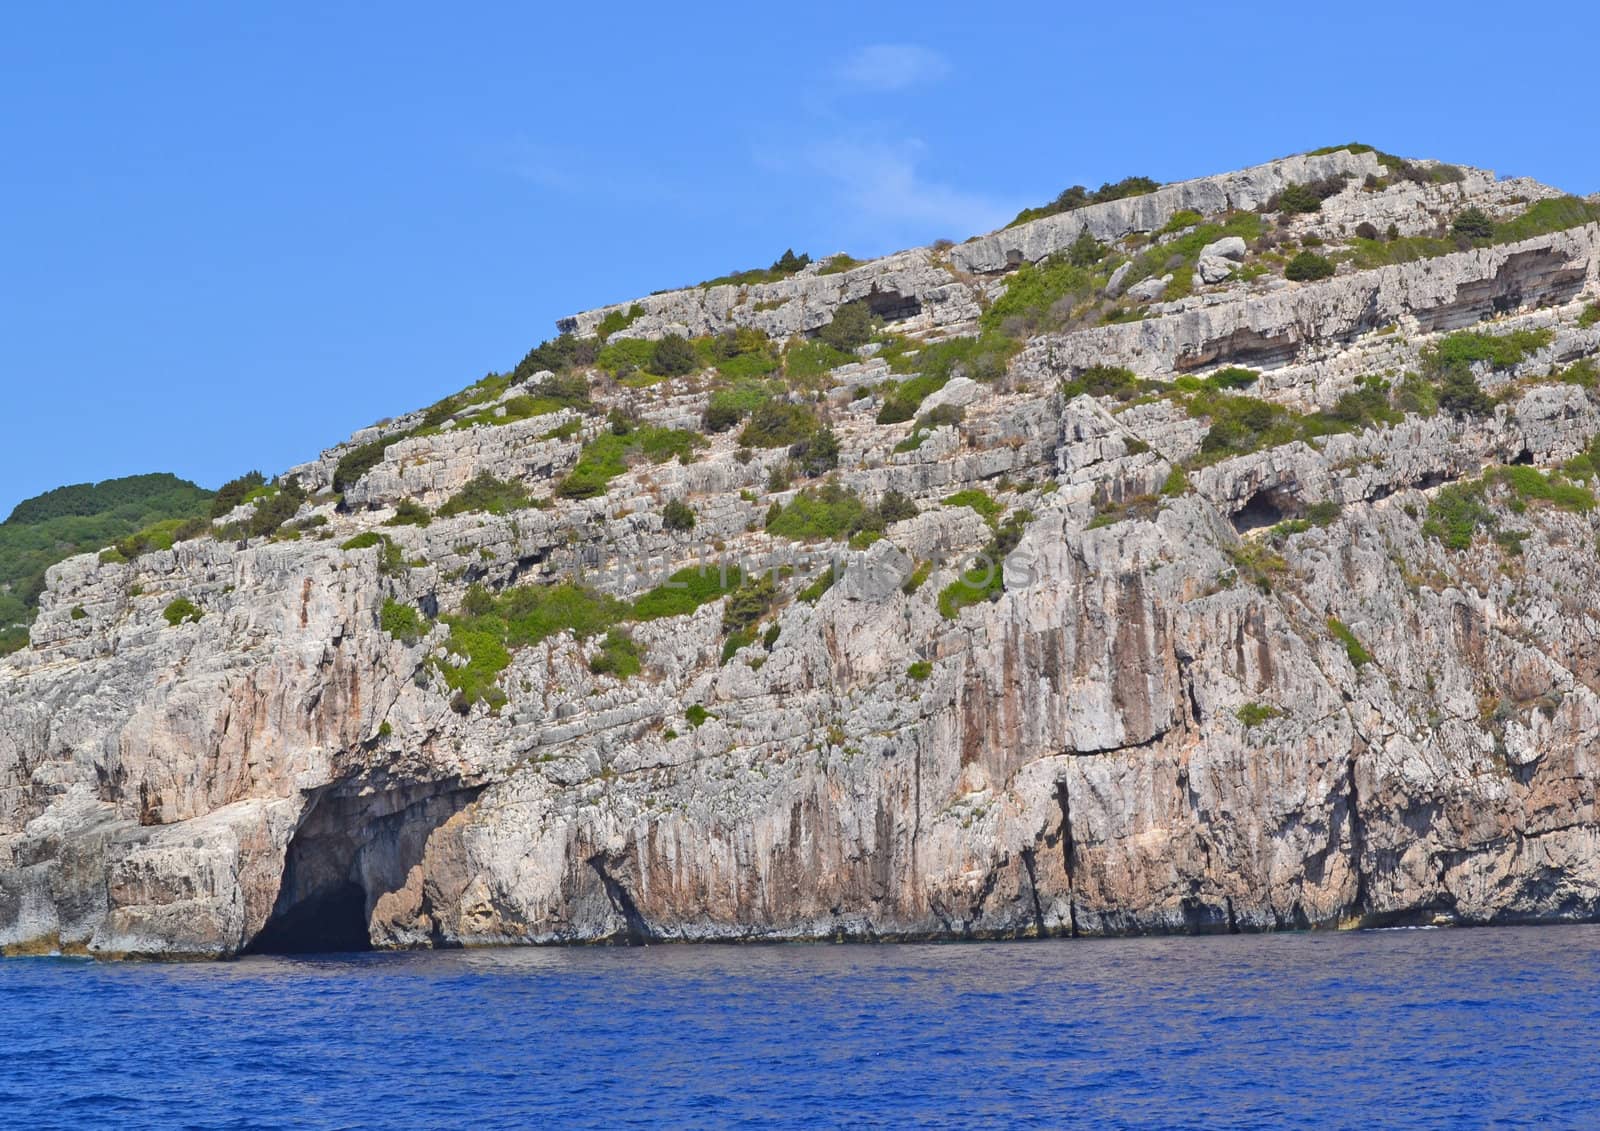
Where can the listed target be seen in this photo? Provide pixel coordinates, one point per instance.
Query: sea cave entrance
(355, 843)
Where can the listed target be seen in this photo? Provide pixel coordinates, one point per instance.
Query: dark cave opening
(357, 841)
(892, 306)
(332, 921)
(1259, 513)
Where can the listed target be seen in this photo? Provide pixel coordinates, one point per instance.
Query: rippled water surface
(1384, 1029)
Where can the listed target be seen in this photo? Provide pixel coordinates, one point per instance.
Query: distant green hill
(71, 520)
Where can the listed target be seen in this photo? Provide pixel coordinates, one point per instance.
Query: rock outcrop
(1187, 686)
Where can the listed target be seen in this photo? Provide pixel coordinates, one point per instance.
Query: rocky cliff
(1221, 558)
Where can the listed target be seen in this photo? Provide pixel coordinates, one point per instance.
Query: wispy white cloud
(892, 66)
(882, 184)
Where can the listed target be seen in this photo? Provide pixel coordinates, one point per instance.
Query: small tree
(677, 515)
(850, 329)
(673, 356)
(1475, 224)
(817, 453)
(789, 263)
(1085, 251)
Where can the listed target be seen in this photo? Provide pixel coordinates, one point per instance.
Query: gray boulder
(1149, 289)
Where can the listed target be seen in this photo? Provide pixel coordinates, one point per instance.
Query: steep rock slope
(1172, 593)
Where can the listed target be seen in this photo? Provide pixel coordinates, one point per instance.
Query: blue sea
(1419, 1028)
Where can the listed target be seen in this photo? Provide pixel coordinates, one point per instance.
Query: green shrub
(1353, 648)
(1106, 381)
(849, 329)
(831, 512)
(182, 610)
(275, 509)
(1307, 267)
(232, 493)
(697, 715)
(1306, 197)
(625, 355)
(1181, 219)
(618, 656)
(409, 512)
(607, 455)
(747, 604)
(673, 356)
(1545, 216)
(357, 462)
(618, 320)
(920, 670)
(838, 264)
(1458, 392)
(784, 266)
(491, 626)
(1502, 351)
(1474, 224)
(1078, 196)
(823, 582)
(1254, 714)
(400, 621)
(807, 361)
(677, 515)
(687, 590)
(1034, 290)
(365, 540)
(1456, 513)
(778, 424)
(78, 613)
(818, 453)
(488, 494)
(979, 500)
(1590, 316)
(558, 355)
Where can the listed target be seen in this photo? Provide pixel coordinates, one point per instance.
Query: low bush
(1359, 656)
(1107, 381)
(831, 512)
(1255, 714)
(401, 621)
(409, 512)
(686, 590)
(1307, 267)
(778, 424)
(920, 670)
(490, 627)
(805, 361)
(618, 320)
(182, 611)
(607, 455)
(618, 656)
(357, 462)
(487, 494)
(673, 356)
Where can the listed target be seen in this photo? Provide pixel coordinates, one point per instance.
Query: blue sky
(232, 234)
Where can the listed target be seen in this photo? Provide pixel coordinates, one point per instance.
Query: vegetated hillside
(56, 525)
(1217, 555)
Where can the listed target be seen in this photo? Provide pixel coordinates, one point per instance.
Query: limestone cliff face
(1182, 709)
